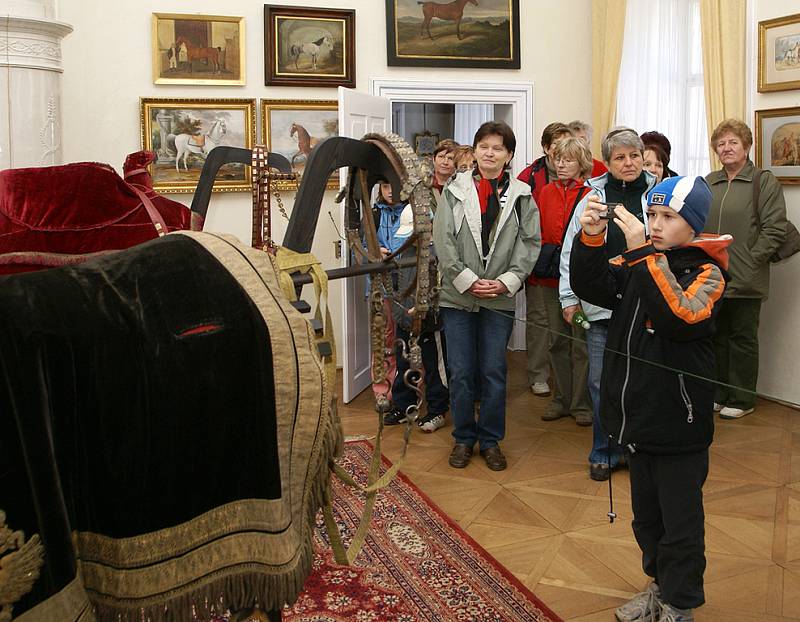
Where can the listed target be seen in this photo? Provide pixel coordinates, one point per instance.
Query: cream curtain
(723, 24)
(608, 28)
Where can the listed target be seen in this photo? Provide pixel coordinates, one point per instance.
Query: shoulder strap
(757, 194)
(581, 192)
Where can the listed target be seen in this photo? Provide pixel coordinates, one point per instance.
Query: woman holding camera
(628, 183)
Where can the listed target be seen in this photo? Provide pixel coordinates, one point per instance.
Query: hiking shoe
(644, 607)
(494, 458)
(734, 413)
(431, 423)
(459, 457)
(552, 414)
(718, 407)
(394, 417)
(584, 419)
(599, 471)
(542, 389)
(673, 614)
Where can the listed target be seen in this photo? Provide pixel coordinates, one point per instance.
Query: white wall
(107, 68)
(779, 334)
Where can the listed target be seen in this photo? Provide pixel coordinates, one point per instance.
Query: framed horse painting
(309, 47)
(457, 33)
(182, 132)
(779, 54)
(777, 143)
(292, 128)
(198, 49)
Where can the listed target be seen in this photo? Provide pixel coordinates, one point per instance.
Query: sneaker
(541, 389)
(734, 413)
(673, 614)
(599, 471)
(431, 424)
(644, 607)
(718, 407)
(584, 419)
(394, 417)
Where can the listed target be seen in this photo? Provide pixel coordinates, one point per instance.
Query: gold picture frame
(182, 131)
(292, 127)
(198, 49)
(779, 54)
(778, 143)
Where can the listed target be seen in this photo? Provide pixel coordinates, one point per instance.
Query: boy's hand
(631, 226)
(590, 219)
(385, 252)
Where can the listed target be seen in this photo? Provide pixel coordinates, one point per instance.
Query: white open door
(359, 114)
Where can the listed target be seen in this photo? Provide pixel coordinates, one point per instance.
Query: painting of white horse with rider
(309, 46)
(182, 136)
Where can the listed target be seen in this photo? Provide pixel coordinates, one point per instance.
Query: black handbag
(548, 263)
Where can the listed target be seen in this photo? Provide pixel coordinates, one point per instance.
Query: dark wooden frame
(272, 77)
(395, 60)
(793, 111)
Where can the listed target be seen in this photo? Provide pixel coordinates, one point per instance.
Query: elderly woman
(628, 183)
(567, 343)
(486, 235)
(757, 232)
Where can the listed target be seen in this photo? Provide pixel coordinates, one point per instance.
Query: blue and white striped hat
(689, 196)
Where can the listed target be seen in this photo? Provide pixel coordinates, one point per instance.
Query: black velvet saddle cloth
(143, 441)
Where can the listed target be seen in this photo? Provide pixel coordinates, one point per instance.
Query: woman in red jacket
(567, 344)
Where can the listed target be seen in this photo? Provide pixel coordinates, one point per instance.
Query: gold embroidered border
(71, 604)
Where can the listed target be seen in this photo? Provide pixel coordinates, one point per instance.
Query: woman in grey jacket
(486, 235)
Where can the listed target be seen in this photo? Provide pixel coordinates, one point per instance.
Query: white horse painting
(312, 48)
(200, 145)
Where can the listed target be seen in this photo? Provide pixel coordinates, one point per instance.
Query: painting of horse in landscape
(294, 128)
(196, 49)
(459, 33)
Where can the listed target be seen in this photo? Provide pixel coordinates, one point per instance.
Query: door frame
(519, 95)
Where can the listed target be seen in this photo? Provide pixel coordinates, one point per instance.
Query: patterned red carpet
(416, 565)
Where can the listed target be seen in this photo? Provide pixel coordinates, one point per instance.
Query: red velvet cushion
(76, 209)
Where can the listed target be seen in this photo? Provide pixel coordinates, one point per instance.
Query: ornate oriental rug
(417, 564)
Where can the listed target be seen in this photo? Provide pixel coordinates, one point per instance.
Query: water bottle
(580, 320)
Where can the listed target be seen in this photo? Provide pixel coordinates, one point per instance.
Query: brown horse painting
(210, 55)
(450, 12)
(305, 142)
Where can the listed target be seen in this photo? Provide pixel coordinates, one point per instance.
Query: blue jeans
(596, 344)
(476, 344)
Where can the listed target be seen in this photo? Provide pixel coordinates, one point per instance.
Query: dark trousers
(736, 350)
(667, 500)
(434, 355)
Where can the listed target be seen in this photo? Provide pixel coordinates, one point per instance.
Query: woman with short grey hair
(625, 182)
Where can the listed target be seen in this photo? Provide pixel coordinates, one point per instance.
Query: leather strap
(152, 212)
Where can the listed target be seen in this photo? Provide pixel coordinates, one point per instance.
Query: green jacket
(457, 239)
(732, 212)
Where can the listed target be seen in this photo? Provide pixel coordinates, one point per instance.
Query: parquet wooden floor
(545, 520)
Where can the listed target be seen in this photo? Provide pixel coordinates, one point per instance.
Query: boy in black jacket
(655, 400)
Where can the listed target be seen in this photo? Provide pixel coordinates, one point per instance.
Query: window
(661, 79)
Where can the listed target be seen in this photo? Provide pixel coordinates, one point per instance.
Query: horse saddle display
(59, 215)
(152, 464)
